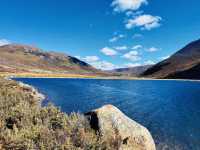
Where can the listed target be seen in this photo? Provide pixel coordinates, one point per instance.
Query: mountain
(131, 71)
(184, 64)
(15, 58)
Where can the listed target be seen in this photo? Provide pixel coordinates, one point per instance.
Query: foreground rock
(110, 122)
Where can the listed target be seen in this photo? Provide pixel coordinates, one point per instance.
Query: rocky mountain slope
(184, 64)
(21, 58)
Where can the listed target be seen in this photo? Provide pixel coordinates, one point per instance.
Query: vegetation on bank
(46, 75)
(25, 125)
(57, 75)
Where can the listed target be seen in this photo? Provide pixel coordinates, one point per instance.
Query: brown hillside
(21, 58)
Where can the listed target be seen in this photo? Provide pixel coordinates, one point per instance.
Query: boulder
(110, 121)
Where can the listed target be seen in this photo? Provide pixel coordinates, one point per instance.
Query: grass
(47, 75)
(25, 125)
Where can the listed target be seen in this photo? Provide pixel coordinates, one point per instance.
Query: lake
(169, 109)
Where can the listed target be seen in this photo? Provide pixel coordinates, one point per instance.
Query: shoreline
(81, 76)
(107, 78)
(34, 91)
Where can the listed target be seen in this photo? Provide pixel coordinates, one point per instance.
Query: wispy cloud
(108, 51)
(127, 5)
(144, 22)
(121, 48)
(132, 65)
(136, 47)
(152, 49)
(104, 65)
(132, 13)
(90, 59)
(4, 42)
(116, 38)
(132, 56)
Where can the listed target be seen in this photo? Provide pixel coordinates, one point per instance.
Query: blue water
(169, 109)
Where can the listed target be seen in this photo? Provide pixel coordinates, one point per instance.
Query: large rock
(110, 121)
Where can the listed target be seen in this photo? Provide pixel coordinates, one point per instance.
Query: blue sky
(105, 33)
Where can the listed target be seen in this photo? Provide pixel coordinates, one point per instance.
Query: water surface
(169, 109)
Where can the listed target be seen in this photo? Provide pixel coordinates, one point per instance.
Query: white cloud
(104, 65)
(121, 48)
(90, 59)
(152, 49)
(132, 65)
(131, 13)
(108, 51)
(165, 57)
(97, 63)
(132, 55)
(116, 38)
(136, 47)
(149, 62)
(127, 5)
(145, 22)
(4, 42)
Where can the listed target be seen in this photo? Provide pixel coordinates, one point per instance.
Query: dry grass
(47, 75)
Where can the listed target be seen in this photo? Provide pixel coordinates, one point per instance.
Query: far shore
(83, 76)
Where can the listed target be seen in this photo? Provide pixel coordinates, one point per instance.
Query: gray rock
(110, 121)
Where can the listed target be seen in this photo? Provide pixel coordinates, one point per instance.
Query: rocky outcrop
(109, 121)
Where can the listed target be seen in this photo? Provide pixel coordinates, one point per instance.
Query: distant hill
(185, 64)
(16, 58)
(131, 71)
